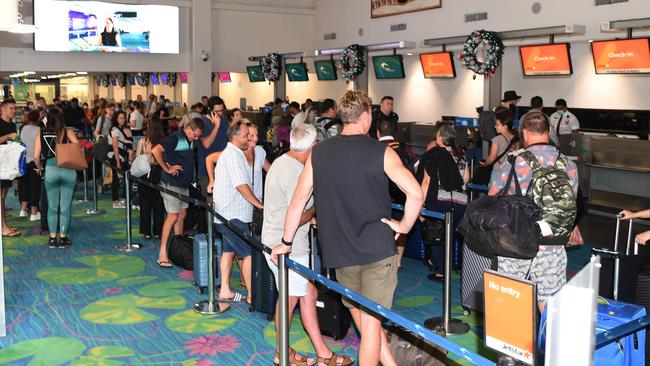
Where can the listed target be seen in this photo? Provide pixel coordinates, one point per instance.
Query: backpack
(552, 191)
(323, 127)
(181, 253)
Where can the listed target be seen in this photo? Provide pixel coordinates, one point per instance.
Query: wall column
(199, 74)
(280, 86)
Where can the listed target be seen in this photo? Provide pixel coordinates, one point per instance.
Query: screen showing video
(94, 26)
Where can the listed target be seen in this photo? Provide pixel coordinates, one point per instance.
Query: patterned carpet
(91, 305)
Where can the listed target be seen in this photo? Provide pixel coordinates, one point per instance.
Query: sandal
(12, 233)
(237, 297)
(164, 264)
(294, 360)
(334, 359)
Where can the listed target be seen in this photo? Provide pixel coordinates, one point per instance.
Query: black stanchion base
(91, 211)
(210, 308)
(129, 248)
(456, 327)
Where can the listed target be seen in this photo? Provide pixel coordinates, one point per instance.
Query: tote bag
(70, 155)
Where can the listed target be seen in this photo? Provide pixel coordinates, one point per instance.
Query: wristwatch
(287, 243)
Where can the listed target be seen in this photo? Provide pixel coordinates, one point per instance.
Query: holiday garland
(272, 66)
(352, 62)
(493, 53)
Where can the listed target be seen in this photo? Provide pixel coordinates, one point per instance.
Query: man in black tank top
(348, 175)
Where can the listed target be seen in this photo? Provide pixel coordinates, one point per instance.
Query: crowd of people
(334, 164)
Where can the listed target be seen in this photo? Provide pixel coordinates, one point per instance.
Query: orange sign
(510, 315)
(625, 56)
(438, 65)
(548, 59)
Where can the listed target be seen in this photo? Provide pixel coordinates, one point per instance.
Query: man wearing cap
(562, 122)
(510, 100)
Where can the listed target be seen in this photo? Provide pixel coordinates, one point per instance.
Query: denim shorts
(231, 242)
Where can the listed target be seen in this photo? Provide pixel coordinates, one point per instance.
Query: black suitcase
(264, 294)
(621, 285)
(334, 318)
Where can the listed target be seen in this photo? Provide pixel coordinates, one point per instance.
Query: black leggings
(29, 187)
(151, 208)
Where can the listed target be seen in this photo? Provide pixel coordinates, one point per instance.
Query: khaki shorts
(173, 204)
(376, 281)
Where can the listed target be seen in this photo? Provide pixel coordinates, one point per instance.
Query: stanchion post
(471, 177)
(95, 210)
(283, 293)
(211, 305)
(129, 246)
(85, 173)
(451, 326)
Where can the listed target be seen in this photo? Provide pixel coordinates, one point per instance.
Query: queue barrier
(284, 263)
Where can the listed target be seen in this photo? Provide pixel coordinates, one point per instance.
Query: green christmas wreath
(493, 53)
(272, 66)
(352, 62)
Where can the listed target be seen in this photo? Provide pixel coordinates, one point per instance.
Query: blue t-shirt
(178, 151)
(219, 143)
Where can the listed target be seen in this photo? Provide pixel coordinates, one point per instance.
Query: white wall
(240, 32)
(256, 94)
(426, 100)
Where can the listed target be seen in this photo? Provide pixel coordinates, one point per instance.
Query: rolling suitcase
(334, 318)
(620, 270)
(628, 351)
(200, 259)
(471, 279)
(264, 294)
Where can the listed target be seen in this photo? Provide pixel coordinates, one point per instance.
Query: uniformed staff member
(383, 113)
(563, 122)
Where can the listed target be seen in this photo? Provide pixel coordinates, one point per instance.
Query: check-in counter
(615, 170)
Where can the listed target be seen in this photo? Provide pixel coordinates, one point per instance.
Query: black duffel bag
(180, 252)
(503, 225)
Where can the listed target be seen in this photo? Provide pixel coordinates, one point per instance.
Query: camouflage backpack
(552, 191)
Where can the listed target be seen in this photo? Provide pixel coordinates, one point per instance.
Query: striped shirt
(232, 170)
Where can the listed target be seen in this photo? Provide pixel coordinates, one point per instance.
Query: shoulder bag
(258, 213)
(140, 166)
(70, 154)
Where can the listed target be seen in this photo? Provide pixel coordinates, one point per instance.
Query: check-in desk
(616, 170)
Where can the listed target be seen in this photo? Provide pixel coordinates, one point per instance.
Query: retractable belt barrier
(334, 286)
(477, 187)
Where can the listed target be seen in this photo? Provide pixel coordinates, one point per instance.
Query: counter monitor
(255, 74)
(297, 72)
(622, 56)
(546, 59)
(438, 65)
(325, 70)
(224, 77)
(388, 66)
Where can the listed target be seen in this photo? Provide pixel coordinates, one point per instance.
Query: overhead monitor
(546, 59)
(325, 70)
(95, 26)
(255, 74)
(438, 65)
(183, 77)
(163, 78)
(622, 56)
(154, 79)
(388, 66)
(131, 79)
(224, 77)
(297, 72)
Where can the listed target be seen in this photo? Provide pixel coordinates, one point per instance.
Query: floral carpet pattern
(92, 305)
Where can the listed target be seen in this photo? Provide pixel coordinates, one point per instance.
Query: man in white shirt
(562, 122)
(234, 199)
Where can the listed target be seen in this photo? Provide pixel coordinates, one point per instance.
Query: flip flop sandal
(293, 359)
(164, 264)
(237, 297)
(11, 234)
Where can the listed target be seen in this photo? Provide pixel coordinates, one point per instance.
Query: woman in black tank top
(109, 37)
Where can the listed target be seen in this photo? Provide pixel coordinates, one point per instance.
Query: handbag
(483, 174)
(433, 230)
(503, 225)
(70, 155)
(258, 213)
(13, 163)
(140, 166)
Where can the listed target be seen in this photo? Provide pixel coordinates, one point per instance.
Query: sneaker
(118, 205)
(23, 213)
(35, 217)
(52, 243)
(64, 242)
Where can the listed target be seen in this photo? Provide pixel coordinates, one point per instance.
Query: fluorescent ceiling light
(82, 73)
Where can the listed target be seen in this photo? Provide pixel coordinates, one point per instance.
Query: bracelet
(287, 243)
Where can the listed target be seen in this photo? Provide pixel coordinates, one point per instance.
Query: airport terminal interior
(147, 145)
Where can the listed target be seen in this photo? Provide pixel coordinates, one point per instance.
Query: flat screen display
(297, 72)
(325, 70)
(95, 26)
(255, 74)
(163, 78)
(183, 77)
(438, 65)
(154, 79)
(131, 79)
(546, 59)
(622, 56)
(388, 67)
(224, 77)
